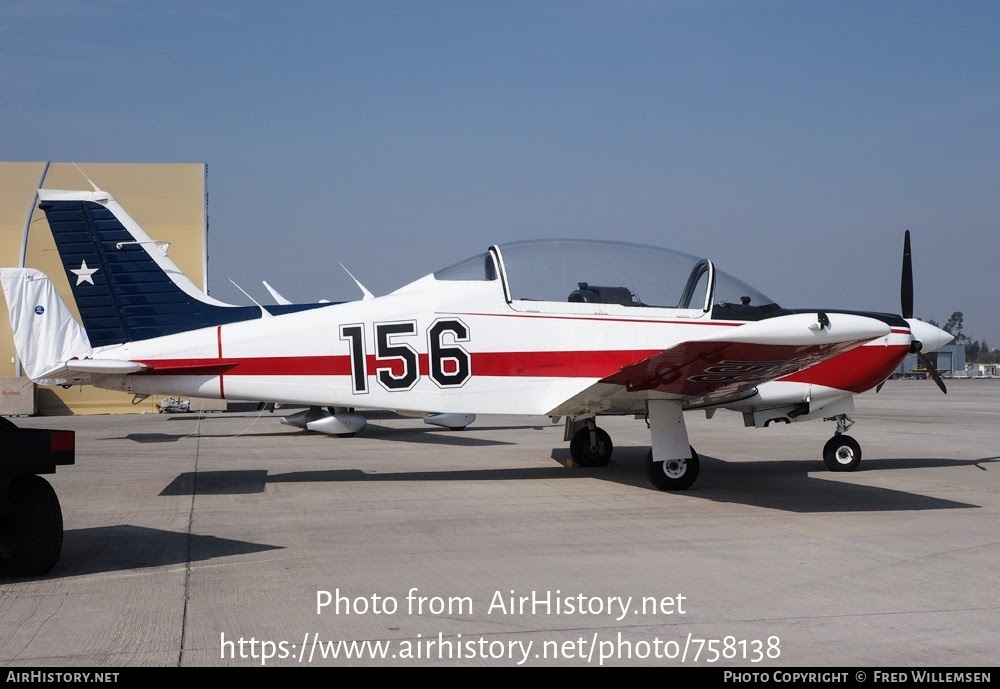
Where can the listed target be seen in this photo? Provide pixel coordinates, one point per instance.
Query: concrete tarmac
(188, 533)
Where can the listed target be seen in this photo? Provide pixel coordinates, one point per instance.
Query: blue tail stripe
(123, 295)
(128, 297)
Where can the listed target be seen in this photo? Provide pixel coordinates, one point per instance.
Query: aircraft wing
(725, 364)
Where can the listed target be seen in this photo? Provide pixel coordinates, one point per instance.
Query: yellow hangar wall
(168, 200)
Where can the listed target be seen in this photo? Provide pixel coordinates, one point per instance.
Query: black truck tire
(34, 529)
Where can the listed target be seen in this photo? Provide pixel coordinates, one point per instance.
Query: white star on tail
(84, 274)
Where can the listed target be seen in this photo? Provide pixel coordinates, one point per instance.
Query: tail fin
(45, 333)
(125, 286)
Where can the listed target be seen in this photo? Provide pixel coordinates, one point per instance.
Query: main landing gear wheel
(673, 474)
(842, 453)
(31, 534)
(591, 454)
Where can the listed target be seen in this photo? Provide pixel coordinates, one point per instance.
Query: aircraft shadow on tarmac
(421, 435)
(125, 547)
(786, 485)
(804, 486)
(153, 438)
(435, 436)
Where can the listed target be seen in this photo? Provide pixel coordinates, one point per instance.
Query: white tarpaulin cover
(45, 333)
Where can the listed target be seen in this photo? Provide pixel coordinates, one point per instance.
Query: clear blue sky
(792, 142)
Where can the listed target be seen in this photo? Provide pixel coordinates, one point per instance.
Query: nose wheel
(842, 453)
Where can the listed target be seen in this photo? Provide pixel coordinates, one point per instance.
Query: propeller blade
(906, 303)
(906, 282)
(879, 387)
(926, 361)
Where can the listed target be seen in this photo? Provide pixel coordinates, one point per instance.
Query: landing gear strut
(591, 446)
(672, 464)
(842, 452)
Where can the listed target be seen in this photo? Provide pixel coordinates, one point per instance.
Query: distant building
(984, 370)
(168, 200)
(948, 360)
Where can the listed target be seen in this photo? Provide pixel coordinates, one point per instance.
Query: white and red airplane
(564, 328)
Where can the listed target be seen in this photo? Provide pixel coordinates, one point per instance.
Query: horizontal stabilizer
(103, 367)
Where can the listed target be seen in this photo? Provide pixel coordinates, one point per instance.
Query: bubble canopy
(582, 270)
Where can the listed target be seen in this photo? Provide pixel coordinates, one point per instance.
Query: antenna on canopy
(276, 295)
(364, 290)
(263, 312)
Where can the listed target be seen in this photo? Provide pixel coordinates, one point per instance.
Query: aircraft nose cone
(931, 337)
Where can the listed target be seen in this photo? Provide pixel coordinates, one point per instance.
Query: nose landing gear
(842, 452)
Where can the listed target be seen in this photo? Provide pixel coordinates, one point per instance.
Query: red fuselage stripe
(579, 364)
(856, 370)
(222, 387)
